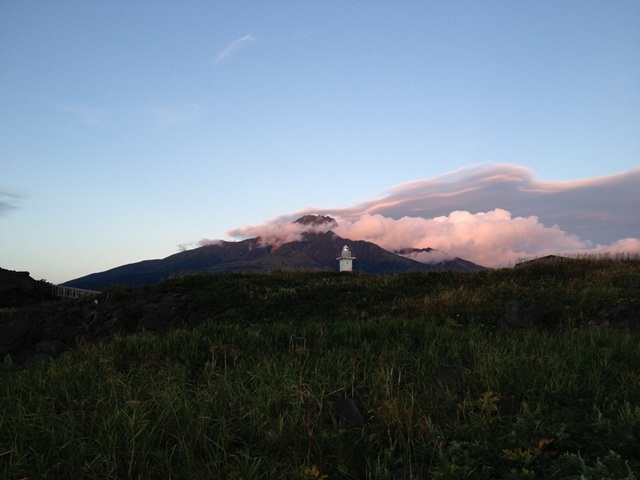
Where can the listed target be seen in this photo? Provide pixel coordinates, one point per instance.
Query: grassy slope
(251, 393)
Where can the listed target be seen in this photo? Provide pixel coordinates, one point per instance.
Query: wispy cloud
(8, 201)
(84, 113)
(490, 214)
(174, 114)
(227, 51)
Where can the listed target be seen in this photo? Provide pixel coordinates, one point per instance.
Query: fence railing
(70, 292)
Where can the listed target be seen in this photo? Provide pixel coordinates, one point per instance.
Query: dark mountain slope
(316, 250)
(148, 272)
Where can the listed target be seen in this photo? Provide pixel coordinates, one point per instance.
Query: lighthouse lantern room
(346, 260)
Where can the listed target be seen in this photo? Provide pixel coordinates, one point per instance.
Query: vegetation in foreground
(255, 392)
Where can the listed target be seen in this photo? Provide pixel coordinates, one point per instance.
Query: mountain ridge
(315, 250)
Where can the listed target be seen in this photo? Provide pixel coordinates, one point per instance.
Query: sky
(491, 130)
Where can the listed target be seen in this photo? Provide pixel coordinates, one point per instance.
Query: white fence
(70, 292)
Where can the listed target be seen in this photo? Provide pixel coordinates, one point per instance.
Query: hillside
(528, 372)
(542, 293)
(316, 250)
(18, 289)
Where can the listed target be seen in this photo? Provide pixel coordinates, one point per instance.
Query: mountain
(316, 250)
(316, 221)
(447, 263)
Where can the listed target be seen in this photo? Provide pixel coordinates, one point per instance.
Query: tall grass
(254, 395)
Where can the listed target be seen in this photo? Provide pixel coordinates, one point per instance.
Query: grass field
(326, 376)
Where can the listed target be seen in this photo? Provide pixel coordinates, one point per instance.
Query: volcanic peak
(316, 221)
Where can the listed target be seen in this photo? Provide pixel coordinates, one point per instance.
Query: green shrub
(251, 393)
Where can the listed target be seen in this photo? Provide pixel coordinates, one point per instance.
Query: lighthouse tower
(346, 260)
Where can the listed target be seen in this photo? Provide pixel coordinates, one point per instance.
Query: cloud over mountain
(600, 210)
(490, 214)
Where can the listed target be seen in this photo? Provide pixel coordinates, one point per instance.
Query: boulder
(348, 413)
(622, 315)
(448, 374)
(50, 347)
(518, 315)
(508, 407)
(15, 336)
(413, 471)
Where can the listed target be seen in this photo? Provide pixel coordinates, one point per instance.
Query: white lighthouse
(346, 260)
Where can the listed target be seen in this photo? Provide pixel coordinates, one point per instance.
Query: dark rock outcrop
(18, 289)
(449, 374)
(45, 331)
(348, 413)
(623, 315)
(508, 407)
(518, 315)
(413, 471)
(15, 336)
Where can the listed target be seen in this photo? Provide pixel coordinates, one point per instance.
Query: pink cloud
(492, 215)
(601, 210)
(277, 231)
(489, 238)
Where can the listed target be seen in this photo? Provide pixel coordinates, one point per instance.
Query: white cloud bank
(491, 214)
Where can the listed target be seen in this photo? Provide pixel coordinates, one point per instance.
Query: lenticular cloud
(600, 210)
(526, 217)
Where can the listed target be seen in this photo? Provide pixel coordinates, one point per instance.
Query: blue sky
(128, 129)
